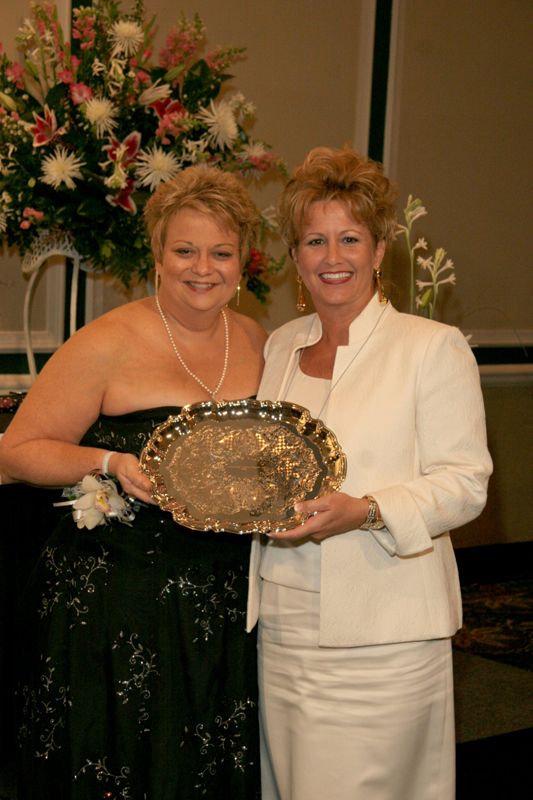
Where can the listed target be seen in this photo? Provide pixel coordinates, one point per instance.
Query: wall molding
(506, 375)
(364, 76)
(397, 38)
(502, 337)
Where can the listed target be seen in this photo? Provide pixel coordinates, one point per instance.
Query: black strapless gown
(138, 678)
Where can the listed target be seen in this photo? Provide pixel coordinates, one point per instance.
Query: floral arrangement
(96, 500)
(424, 293)
(89, 129)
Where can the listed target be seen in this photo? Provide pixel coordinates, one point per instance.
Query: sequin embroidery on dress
(138, 680)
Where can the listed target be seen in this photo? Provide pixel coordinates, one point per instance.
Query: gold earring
(381, 294)
(238, 294)
(300, 300)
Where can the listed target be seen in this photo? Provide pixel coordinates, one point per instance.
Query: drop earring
(381, 294)
(238, 295)
(300, 299)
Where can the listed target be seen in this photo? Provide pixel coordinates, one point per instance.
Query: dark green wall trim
(17, 364)
(503, 355)
(380, 70)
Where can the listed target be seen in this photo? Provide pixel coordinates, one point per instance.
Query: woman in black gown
(138, 679)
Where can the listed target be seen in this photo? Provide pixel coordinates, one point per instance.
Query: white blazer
(407, 409)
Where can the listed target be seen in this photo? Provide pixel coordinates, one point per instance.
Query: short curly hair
(209, 190)
(327, 174)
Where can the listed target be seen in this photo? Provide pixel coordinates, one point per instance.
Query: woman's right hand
(329, 515)
(125, 467)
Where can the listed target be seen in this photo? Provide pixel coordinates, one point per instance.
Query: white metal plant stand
(48, 244)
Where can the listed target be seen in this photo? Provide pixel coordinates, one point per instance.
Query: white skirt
(357, 723)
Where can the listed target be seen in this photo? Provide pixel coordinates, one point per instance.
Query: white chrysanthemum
(61, 167)
(220, 122)
(254, 150)
(127, 36)
(155, 166)
(236, 100)
(101, 113)
(157, 91)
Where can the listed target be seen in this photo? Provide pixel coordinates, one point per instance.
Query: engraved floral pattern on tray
(240, 466)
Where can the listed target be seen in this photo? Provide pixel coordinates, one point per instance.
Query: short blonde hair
(209, 190)
(345, 175)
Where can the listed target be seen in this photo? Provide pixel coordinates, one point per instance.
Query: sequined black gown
(138, 679)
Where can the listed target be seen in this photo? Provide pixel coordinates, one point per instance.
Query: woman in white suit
(357, 606)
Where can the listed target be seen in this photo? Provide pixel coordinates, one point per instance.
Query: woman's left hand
(328, 516)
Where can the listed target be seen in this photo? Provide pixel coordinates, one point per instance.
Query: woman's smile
(336, 257)
(335, 277)
(201, 259)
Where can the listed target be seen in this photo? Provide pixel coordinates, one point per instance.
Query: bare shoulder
(113, 329)
(91, 354)
(252, 329)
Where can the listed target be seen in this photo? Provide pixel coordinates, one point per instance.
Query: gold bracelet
(373, 521)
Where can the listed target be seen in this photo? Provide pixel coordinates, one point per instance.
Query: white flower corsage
(96, 500)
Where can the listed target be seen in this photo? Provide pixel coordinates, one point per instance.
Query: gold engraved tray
(241, 465)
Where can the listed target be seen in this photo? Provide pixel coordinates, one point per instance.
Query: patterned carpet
(497, 590)
(498, 621)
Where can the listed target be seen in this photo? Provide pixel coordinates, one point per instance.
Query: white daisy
(220, 122)
(61, 167)
(127, 36)
(155, 166)
(101, 113)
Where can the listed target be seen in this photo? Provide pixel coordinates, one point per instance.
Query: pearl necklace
(210, 392)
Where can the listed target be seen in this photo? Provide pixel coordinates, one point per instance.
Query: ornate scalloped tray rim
(274, 433)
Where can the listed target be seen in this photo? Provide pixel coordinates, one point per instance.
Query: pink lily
(171, 114)
(126, 151)
(124, 199)
(45, 129)
(166, 107)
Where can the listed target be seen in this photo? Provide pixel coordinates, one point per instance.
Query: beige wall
(508, 515)
(460, 129)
